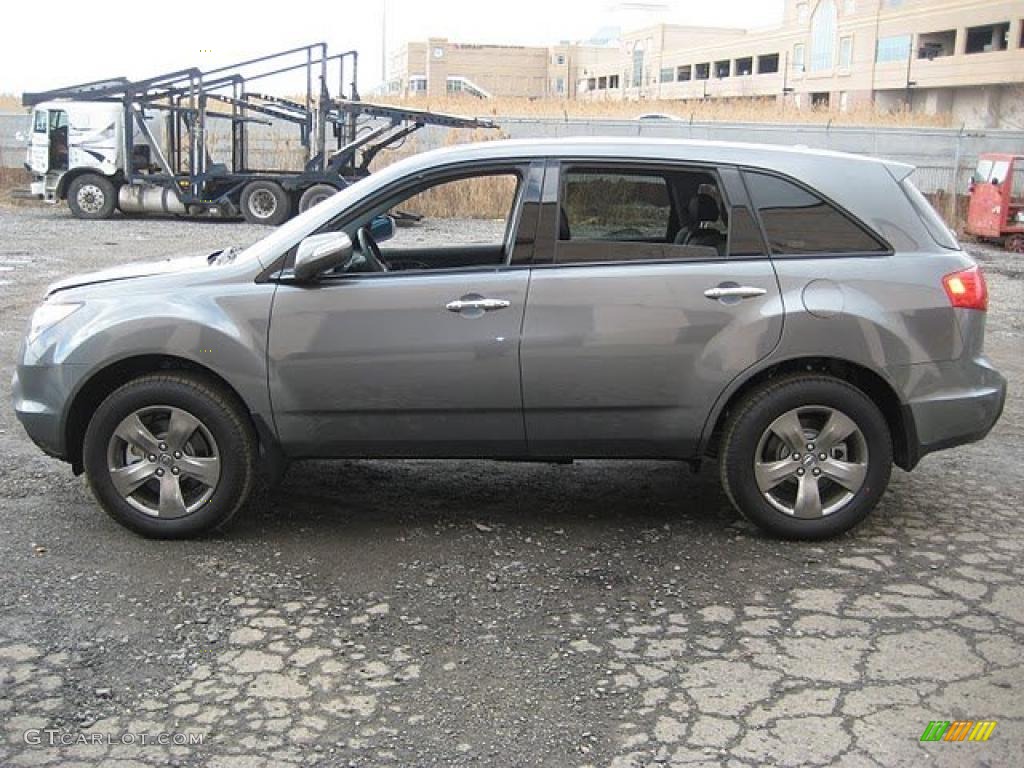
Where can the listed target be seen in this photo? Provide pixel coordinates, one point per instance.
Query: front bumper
(41, 394)
(955, 406)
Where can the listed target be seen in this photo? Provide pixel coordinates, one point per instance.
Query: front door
(419, 360)
(655, 295)
(39, 143)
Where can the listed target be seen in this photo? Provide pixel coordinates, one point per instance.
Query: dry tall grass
(766, 110)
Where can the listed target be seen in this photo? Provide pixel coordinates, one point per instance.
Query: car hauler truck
(145, 146)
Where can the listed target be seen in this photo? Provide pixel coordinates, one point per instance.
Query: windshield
(991, 171)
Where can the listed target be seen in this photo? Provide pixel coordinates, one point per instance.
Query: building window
(613, 81)
(439, 53)
(745, 66)
(991, 37)
(722, 68)
(591, 83)
(934, 45)
(560, 60)
(798, 58)
(702, 71)
(801, 13)
(845, 52)
(768, 63)
(823, 36)
(667, 75)
(684, 73)
(559, 85)
(844, 101)
(820, 100)
(638, 68)
(602, 83)
(418, 84)
(895, 48)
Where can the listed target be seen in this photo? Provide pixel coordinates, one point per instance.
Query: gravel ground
(475, 613)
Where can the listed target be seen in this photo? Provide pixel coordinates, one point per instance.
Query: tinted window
(603, 205)
(620, 214)
(799, 222)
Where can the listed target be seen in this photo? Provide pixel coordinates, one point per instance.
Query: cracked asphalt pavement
(418, 613)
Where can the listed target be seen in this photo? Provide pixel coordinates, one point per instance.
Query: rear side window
(798, 222)
(603, 205)
(645, 213)
(936, 227)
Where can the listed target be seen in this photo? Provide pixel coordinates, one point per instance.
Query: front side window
(798, 222)
(39, 121)
(643, 214)
(460, 222)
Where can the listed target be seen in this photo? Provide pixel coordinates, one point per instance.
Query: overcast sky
(58, 43)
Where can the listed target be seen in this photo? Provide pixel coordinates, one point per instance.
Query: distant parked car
(802, 317)
(657, 116)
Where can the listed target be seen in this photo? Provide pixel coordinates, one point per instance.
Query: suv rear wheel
(806, 456)
(170, 456)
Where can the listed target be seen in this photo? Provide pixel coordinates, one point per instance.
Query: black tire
(265, 202)
(747, 433)
(315, 195)
(219, 418)
(92, 196)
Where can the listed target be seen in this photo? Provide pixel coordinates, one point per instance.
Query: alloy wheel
(811, 461)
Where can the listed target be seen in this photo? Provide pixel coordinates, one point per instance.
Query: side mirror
(382, 228)
(318, 253)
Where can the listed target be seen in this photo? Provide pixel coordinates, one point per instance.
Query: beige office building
(439, 66)
(959, 57)
(964, 57)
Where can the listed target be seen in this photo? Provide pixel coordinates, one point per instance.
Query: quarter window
(798, 222)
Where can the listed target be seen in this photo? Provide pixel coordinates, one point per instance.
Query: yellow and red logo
(958, 730)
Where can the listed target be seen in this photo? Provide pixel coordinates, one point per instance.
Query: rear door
(650, 292)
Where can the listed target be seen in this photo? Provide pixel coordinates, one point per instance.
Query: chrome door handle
(486, 305)
(734, 292)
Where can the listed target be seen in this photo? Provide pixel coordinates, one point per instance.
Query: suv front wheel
(806, 456)
(170, 456)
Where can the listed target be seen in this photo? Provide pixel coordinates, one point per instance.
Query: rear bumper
(962, 410)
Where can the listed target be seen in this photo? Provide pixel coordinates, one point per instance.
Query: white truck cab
(70, 138)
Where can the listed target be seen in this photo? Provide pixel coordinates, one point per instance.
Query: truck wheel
(314, 196)
(265, 202)
(170, 456)
(91, 196)
(806, 456)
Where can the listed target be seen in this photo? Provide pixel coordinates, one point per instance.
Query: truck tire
(92, 196)
(265, 202)
(315, 195)
(170, 456)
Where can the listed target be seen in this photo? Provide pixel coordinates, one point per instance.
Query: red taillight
(967, 289)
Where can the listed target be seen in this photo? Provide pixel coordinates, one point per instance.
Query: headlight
(48, 315)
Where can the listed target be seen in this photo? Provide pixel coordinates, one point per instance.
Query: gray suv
(802, 317)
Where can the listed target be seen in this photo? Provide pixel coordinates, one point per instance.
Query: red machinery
(996, 210)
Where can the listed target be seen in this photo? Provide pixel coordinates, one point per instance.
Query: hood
(191, 263)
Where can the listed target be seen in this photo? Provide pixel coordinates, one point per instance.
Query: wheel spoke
(204, 469)
(136, 434)
(180, 429)
(128, 479)
(838, 427)
(770, 473)
(808, 498)
(790, 431)
(171, 502)
(848, 474)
